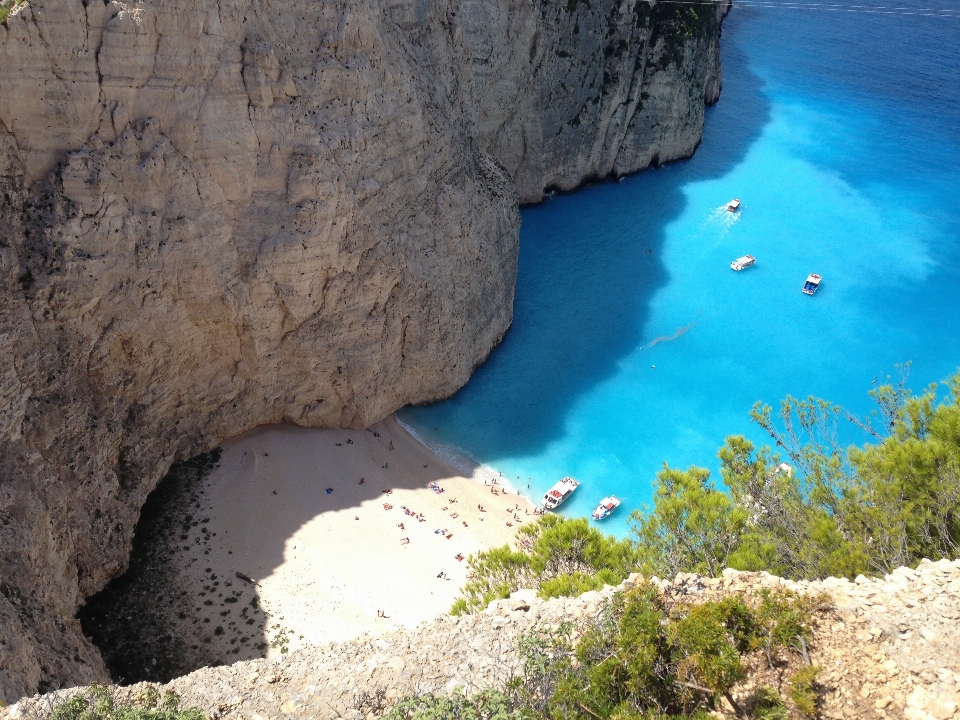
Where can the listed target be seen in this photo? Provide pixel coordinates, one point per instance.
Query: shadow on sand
(242, 552)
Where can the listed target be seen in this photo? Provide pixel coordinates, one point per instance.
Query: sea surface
(634, 344)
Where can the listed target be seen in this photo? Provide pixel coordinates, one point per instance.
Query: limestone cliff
(571, 91)
(218, 214)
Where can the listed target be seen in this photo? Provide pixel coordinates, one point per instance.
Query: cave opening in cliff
(171, 612)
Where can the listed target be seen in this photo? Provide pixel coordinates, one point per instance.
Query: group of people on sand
(495, 488)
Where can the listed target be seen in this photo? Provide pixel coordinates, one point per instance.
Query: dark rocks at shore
(153, 623)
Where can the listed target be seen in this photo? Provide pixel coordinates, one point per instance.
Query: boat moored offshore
(562, 490)
(812, 283)
(742, 263)
(606, 507)
(733, 205)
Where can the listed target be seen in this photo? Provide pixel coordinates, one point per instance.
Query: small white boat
(606, 507)
(812, 283)
(559, 493)
(742, 263)
(733, 205)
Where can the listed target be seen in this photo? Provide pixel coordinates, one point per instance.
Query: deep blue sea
(634, 344)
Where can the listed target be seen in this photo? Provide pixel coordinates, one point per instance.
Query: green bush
(692, 526)
(803, 690)
(98, 703)
(559, 557)
(6, 6)
(835, 511)
(485, 705)
(766, 704)
(643, 659)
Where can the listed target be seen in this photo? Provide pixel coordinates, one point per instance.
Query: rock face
(870, 669)
(218, 214)
(571, 91)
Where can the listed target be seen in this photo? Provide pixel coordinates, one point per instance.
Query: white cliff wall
(572, 91)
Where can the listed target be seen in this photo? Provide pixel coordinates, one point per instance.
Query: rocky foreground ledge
(890, 648)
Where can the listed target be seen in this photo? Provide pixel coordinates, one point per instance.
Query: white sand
(326, 563)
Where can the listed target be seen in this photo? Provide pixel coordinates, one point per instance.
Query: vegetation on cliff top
(830, 511)
(98, 703)
(644, 656)
(6, 6)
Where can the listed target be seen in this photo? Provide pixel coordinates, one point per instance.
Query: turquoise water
(634, 344)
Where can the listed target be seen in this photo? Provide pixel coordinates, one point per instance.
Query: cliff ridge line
(889, 648)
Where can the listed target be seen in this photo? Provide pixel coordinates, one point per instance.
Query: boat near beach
(812, 283)
(742, 263)
(733, 205)
(606, 507)
(558, 494)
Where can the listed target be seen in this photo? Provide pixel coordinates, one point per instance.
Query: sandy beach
(341, 533)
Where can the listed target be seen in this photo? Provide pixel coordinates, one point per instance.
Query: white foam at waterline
(471, 468)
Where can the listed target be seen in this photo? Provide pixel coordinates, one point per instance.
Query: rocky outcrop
(218, 214)
(887, 648)
(571, 91)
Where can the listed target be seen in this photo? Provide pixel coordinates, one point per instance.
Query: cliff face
(218, 214)
(571, 91)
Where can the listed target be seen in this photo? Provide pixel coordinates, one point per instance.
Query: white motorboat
(733, 205)
(742, 263)
(812, 283)
(606, 507)
(562, 490)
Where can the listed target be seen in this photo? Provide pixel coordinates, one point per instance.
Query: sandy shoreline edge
(457, 458)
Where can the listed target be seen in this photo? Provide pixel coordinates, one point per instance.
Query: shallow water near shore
(633, 342)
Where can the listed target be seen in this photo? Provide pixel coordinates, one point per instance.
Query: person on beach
(362, 481)
(405, 541)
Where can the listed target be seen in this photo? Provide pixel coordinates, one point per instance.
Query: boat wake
(723, 217)
(668, 338)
